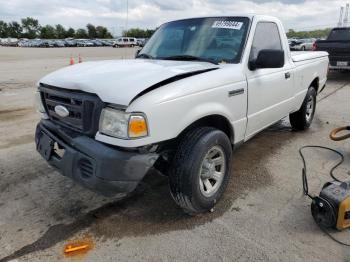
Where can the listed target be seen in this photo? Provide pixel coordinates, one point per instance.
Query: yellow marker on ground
(78, 247)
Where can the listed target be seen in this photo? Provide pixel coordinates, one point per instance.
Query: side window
(266, 37)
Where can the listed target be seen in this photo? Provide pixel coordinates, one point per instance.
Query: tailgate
(338, 50)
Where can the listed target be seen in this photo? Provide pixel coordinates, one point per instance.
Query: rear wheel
(200, 170)
(302, 119)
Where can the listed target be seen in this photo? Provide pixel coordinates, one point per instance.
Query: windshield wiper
(143, 55)
(189, 58)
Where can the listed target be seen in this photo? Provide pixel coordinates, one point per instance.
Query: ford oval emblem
(61, 111)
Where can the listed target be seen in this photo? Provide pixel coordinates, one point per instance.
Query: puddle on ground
(16, 141)
(14, 114)
(150, 209)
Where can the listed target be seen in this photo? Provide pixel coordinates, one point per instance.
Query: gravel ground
(263, 215)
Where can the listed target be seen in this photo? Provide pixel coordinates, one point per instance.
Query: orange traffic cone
(80, 59)
(71, 61)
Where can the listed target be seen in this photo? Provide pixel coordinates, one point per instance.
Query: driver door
(270, 90)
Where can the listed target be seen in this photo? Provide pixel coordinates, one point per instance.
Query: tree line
(320, 33)
(31, 28)
(138, 33)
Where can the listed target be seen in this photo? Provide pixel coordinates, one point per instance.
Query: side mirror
(137, 52)
(268, 58)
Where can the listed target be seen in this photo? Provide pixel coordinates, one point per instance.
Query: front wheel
(200, 170)
(302, 119)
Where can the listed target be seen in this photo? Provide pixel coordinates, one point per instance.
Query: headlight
(39, 103)
(119, 124)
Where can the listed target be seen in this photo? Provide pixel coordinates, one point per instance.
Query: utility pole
(126, 24)
(127, 15)
(346, 18)
(340, 23)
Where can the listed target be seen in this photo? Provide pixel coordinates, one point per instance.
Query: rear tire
(302, 119)
(200, 169)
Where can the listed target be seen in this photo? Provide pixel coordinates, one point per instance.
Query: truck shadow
(151, 210)
(339, 76)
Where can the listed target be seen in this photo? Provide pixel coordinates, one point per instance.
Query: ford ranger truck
(198, 89)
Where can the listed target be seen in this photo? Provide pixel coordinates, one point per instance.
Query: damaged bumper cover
(99, 167)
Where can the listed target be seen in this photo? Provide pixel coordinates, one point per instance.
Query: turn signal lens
(39, 103)
(137, 127)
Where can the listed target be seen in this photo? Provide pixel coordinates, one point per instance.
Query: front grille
(84, 108)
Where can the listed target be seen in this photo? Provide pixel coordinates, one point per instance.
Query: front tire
(200, 170)
(302, 119)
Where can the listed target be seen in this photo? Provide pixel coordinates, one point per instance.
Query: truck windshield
(216, 39)
(340, 34)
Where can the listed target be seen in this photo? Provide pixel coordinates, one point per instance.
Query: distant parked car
(107, 42)
(59, 43)
(125, 42)
(36, 43)
(80, 42)
(47, 43)
(70, 42)
(96, 42)
(84, 43)
(10, 41)
(23, 43)
(141, 42)
(292, 43)
(303, 44)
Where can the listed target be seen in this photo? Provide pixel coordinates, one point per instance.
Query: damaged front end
(102, 168)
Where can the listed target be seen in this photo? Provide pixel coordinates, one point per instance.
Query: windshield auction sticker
(228, 25)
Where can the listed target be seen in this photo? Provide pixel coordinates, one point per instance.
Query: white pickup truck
(199, 88)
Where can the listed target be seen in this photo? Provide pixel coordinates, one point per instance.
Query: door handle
(287, 75)
(236, 92)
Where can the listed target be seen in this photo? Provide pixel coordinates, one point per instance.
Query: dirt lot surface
(263, 215)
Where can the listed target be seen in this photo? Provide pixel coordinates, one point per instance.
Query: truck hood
(119, 81)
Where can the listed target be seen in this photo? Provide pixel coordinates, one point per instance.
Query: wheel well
(216, 121)
(167, 149)
(315, 83)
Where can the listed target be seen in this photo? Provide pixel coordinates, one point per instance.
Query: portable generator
(331, 208)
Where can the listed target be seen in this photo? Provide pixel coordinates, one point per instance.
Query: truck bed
(307, 55)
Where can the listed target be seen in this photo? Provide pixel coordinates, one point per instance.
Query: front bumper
(99, 167)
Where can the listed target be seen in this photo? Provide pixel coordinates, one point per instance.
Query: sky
(296, 14)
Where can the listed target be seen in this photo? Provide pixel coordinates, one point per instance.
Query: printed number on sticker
(228, 25)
